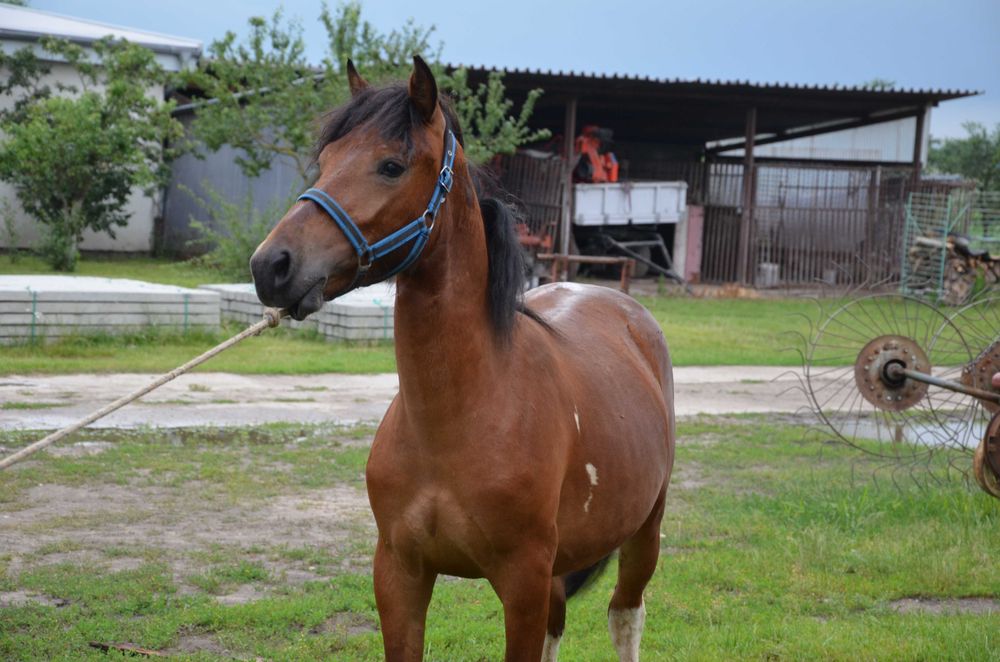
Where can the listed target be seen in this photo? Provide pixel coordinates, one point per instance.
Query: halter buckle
(446, 178)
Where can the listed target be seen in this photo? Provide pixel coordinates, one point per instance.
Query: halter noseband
(417, 231)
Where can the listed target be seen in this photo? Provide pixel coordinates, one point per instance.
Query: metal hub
(986, 461)
(979, 374)
(874, 372)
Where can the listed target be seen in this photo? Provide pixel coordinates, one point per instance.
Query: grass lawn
(216, 545)
(282, 351)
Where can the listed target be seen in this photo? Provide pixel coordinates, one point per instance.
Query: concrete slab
(362, 314)
(47, 307)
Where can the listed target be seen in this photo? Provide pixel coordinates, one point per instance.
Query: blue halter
(417, 231)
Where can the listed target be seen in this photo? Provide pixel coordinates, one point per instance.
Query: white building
(22, 27)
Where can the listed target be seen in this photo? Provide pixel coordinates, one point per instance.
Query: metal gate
(808, 224)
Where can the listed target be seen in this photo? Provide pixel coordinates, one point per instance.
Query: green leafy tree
(75, 159)
(977, 156)
(485, 116)
(265, 99)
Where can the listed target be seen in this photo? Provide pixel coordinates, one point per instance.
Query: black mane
(388, 109)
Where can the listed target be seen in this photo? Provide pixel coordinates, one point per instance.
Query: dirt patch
(112, 527)
(196, 642)
(946, 606)
(345, 623)
(24, 598)
(689, 476)
(80, 449)
(244, 594)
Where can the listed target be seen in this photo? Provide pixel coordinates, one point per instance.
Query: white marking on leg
(576, 417)
(551, 651)
(592, 474)
(625, 626)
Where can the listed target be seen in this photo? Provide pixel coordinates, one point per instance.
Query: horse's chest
(433, 518)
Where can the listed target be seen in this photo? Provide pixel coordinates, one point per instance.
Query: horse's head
(385, 163)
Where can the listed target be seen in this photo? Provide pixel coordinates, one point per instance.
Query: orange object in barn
(597, 163)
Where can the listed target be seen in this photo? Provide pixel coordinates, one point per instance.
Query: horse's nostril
(281, 266)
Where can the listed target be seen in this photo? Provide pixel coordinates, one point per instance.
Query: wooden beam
(746, 218)
(569, 136)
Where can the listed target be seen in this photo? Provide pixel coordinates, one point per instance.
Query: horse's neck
(444, 339)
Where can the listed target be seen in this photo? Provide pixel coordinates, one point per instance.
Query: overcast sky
(949, 44)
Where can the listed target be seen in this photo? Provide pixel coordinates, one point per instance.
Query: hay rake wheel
(892, 374)
(981, 324)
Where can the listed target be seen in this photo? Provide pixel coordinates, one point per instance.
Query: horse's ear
(423, 89)
(354, 79)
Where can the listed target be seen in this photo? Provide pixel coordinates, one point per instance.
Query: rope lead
(272, 318)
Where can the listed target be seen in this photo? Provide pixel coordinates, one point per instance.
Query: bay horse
(531, 436)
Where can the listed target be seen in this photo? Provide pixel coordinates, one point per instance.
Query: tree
(977, 156)
(266, 100)
(74, 160)
(485, 116)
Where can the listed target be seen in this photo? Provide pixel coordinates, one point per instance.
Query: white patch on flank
(551, 651)
(576, 417)
(592, 474)
(625, 626)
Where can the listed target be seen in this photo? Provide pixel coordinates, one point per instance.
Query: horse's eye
(391, 169)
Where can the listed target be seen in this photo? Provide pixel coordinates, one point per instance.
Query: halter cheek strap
(416, 232)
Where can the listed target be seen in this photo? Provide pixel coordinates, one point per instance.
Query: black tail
(581, 580)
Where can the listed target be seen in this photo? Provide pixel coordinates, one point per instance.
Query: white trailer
(626, 218)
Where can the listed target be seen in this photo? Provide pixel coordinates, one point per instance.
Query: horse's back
(601, 325)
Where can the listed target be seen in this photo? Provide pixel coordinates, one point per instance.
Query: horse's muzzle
(280, 282)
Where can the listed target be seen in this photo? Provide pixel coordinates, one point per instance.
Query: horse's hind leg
(636, 563)
(557, 620)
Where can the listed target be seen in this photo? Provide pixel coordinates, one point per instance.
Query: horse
(532, 435)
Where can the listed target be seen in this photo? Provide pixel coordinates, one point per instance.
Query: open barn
(786, 184)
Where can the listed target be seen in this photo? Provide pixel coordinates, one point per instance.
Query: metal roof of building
(28, 25)
(662, 80)
(698, 112)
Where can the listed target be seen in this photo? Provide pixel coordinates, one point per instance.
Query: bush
(233, 231)
(75, 161)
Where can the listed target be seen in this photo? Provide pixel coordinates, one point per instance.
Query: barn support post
(918, 145)
(569, 134)
(872, 261)
(743, 264)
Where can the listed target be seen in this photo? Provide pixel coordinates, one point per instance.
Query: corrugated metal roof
(25, 24)
(591, 75)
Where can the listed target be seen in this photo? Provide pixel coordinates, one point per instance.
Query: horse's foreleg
(524, 585)
(402, 598)
(557, 620)
(636, 563)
